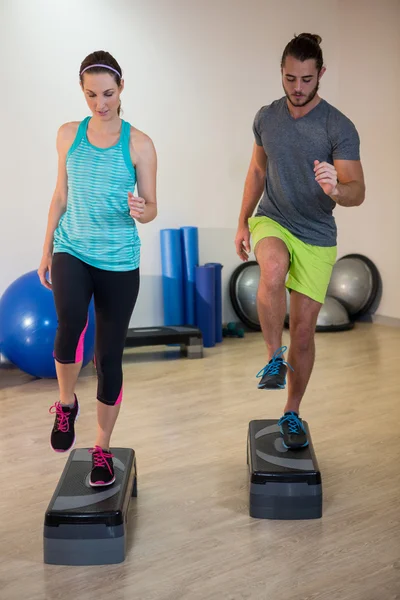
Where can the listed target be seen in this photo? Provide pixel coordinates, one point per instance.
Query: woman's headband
(104, 67)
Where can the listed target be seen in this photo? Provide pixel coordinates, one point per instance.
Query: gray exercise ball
(351, 283)
(287, 306)
(333, 316)
(244, 285)
(246, 292)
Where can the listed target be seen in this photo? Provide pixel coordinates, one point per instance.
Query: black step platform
(190, 339)
(85, 525)
(284, 484)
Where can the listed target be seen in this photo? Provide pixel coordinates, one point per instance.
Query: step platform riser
(283, 484)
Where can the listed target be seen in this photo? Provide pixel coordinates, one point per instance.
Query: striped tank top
(96, 226)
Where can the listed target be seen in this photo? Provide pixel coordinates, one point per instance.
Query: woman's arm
(65, 137)
(143, 207)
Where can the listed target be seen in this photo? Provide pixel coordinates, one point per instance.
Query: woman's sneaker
(63, 433)
(102, 467)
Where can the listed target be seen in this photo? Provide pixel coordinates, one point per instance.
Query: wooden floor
(190, 533)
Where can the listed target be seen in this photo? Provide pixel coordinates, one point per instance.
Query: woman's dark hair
(94, 62)
(304, 47)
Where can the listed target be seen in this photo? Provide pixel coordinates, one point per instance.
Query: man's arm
(254, 184)
(253, 189)
(350, 189)
(343, 181)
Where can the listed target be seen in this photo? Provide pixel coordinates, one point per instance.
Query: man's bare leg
(303, 319)
(273, 258)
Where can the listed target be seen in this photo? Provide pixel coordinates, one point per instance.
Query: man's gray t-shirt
(291, 196)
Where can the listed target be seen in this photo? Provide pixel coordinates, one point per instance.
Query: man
(305, 161)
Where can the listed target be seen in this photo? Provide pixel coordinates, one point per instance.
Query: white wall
(195, 73)
(369, 92)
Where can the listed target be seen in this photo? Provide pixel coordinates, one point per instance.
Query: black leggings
(115, 293)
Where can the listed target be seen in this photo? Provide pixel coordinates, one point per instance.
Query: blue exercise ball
(28, 325)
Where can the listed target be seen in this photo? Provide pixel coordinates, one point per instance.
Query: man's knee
(273, 259)
(273, 273)
(302, 334)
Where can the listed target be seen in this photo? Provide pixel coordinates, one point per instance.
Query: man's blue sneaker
(273, 375)
(293, 432)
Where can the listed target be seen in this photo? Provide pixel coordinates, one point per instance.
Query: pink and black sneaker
(102, 467)
(63, 433)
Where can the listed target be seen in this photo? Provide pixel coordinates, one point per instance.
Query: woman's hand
(136, 206)
(44, 268)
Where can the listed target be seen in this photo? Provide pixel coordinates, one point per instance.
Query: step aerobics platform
(190, 339)
(85, 525)
(284, 484)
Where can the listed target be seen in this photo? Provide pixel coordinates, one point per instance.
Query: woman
(92, 248)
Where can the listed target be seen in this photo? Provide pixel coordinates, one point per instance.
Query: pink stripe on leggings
(119, 399)
(79, 349)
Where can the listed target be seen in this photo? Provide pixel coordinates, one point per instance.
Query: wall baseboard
(382, 320)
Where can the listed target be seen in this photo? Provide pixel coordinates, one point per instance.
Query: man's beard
(306, 99)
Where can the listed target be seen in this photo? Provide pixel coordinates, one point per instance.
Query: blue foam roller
(205, 304)
(172, 276)
(190, 260)
(218, 300)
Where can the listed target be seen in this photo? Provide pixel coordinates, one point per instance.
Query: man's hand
(326, 176)
(242, 242)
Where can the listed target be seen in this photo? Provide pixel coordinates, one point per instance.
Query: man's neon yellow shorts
(310, 266)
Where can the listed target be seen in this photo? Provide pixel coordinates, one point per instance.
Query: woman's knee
(109, 376)
(69, 341)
